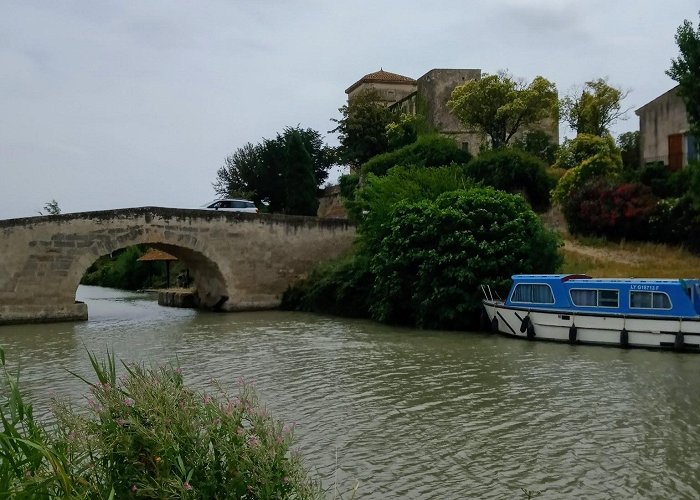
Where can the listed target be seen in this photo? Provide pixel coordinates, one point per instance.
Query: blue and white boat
(575, 308)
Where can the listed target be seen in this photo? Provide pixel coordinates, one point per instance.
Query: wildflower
(178, 370)
(157, 459)
(253, 441)
(207, 399)
(285, 479)
(128, 402)
(240, 431)
(187, 485)
(134, 487)
(122, 422)
(217, 421)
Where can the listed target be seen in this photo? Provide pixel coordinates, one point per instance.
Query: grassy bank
(601, 258)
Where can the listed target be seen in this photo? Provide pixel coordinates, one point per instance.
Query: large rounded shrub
(597, 167)
(584, 146)
(513, 170)
(429, 266)
(427, 151)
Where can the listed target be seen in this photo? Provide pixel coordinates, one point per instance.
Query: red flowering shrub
(612, 210)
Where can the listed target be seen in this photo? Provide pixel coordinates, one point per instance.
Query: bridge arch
(238, 261)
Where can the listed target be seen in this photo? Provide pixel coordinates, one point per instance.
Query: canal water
(400, 413)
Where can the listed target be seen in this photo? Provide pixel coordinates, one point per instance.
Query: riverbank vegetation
(433, 225)
(145, 434)
(122, 269)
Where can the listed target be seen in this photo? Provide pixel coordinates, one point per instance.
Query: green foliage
(436, 254)
(51, 208)
(427, 151)
(341, 288)
(539, 144)
(685, 69)
(585, 146)
(628, 143)
(362, 128)
(374, 203)
(122, 270)
(261, 172)
(300, 184)
(600, 166)
(500, 106)
(677, 221)
(593, 109)
(514, 171)
(148, 435)
(663, 182)
(402, 132)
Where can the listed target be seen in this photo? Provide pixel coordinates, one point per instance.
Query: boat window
(595, 298)
(533, 293)
(649, 300)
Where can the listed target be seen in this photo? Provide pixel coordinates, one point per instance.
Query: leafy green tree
(629, 150)
(403, 131)
(500, 106)
(428, 151)
(584, 146)
(600, 167)
(686, 71)
(593, 109)
(362, 130)
(259, 171)
(539, 144)
(514, 171)
(429, 266)
(300, 184)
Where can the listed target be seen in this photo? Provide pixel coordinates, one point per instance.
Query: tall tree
(299, 181)
(362, 128)
(259, 171)
(594, 108)
(686, 71)
(629, 149)
(499, 105)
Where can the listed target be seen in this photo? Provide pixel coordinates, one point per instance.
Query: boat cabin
(626, 296)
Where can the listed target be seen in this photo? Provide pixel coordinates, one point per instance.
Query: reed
(145, 434)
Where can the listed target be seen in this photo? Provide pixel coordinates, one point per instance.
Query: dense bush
(677, 221)
(612, 210)
(375, 201)
(538, 144)
(598, 167)
(427, 151)
(147, 435)
(585, 146)
(514, 171)
(341, 288)
(429, 267)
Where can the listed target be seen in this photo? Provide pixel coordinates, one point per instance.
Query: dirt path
(620, 256)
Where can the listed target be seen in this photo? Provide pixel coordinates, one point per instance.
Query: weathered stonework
(238, 261)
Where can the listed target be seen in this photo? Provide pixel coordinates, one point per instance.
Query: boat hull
(596, 329)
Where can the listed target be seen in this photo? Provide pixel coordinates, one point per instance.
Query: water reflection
(411, 414)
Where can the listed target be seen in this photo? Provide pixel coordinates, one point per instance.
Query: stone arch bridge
(239, 261)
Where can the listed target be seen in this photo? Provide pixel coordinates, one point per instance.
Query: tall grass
(145, 434)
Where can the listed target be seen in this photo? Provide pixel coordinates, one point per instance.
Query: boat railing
(490, 294)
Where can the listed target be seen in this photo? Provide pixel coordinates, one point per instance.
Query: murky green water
(412, 414)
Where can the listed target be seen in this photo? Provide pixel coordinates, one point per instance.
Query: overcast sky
(109, 104)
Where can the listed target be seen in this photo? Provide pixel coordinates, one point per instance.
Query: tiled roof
(153, 254)
(382, 76)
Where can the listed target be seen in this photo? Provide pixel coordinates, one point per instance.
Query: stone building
(664, 132)
(429, 95)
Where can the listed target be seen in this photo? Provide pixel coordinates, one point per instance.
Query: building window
(532, 294)
(595, 298)
(649, 300)
(465, 146)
